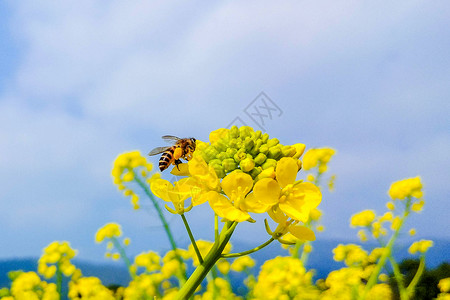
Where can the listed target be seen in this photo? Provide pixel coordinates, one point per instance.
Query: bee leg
(177, 162)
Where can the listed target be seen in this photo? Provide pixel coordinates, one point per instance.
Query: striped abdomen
(166, 158)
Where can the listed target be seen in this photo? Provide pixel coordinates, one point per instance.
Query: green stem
(411, 287)
(296, 249)
(216, 227)
(59, 279)
(305, 255)
(387, 252)
(123, 255)
(191, 237)
(164, 221)
(188, 289)
(399, 278)
(229, 255)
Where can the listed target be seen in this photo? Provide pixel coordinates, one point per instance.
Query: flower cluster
(241, 171)
(56, 256)
(28, 285)
(284, 278)
(126, 168)
(111, 232)
(420, 246)
(89, 288)
(318, 157)
(411, 187)
(444, 287)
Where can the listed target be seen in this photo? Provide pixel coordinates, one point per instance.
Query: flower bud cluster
(56, 255)
(89, 288)
(125, 169)
(28, 285)
(420, 246)
(247, 150)
(318, 157)
(351, 254)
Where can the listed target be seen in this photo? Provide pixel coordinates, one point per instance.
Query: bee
(182, 148)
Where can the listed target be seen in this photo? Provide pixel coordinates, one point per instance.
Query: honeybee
(183, 148)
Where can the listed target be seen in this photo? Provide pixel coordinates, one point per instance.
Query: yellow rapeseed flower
(109, 231)
(444, 285)
(56, 254)
(242, 263)
(89, 288)
(363, 219)
(411, 187)
(420, 246)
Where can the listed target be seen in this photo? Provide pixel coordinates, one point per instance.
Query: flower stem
(411, 287)
(188, 289)
(123, 255)
(387, 251)
(191, 237)
(398, 277)
(229, 255)
(59, 279)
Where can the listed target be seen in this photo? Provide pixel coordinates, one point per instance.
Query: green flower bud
(233, 144)
(223, 155)
(245, 131)
(234, 131)
(219, 171)
(265, 138)
(260, 159)
(229, 165)
(272, 142)
(247, 164)
(255, 172)
(221, 145)
(264, 149)
(210, 153)
(269, 163)
(255, 149)
(256, 135)
(240, 155)
(274, 152)
(231, 152)
(249, 143)
(215, 162)
(288, 151)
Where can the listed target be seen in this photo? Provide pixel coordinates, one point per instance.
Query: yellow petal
(223, 208)
(302, 233)
(277, 215)
(235, 180)
(286, 171)
(312, 193)
(298, 204)
(161, 188)
(198, 166)
(254, 204)
(201, 198)
(267, 191)
(183, 170)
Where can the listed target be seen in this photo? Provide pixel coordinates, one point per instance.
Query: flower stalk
(188, 289)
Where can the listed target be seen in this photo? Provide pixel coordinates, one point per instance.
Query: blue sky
(82, 81)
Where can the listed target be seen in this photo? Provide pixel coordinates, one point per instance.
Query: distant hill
(321, 259)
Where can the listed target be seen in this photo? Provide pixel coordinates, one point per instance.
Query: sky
(83, 81)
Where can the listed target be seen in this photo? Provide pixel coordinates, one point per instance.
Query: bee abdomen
(166, 159)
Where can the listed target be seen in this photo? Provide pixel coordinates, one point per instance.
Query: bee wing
(171, 138)
(158, 150)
